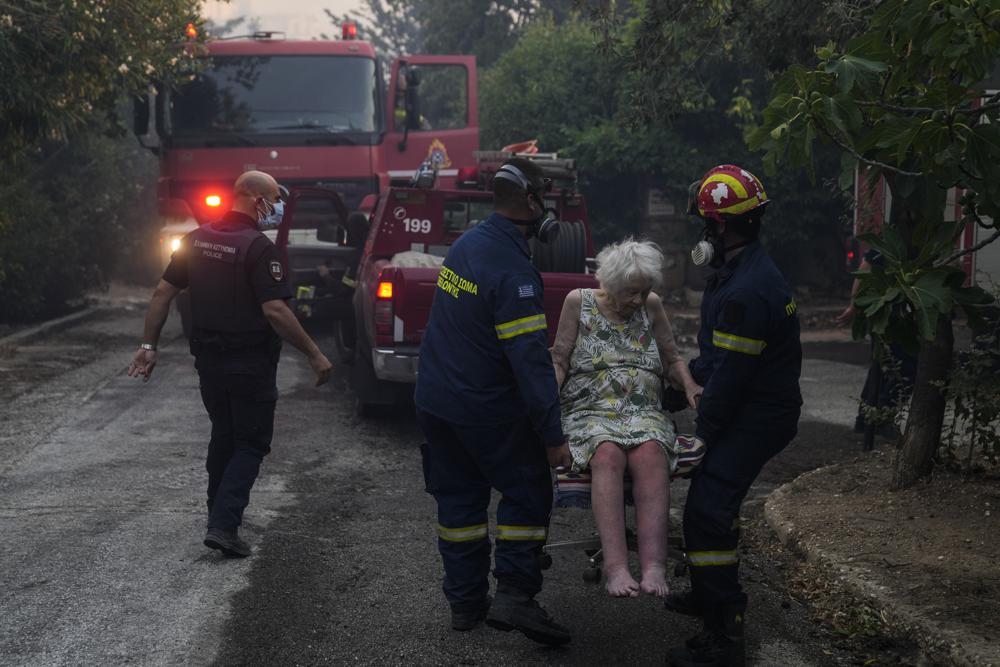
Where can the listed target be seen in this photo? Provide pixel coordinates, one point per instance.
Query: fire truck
(324, 116)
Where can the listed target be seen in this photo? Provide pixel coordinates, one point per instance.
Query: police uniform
(488, 404)
(749, 363)
(230, 269)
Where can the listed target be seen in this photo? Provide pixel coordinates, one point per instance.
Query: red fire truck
(323, 114)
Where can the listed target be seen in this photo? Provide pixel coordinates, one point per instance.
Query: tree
(66, 63)
(905, 100)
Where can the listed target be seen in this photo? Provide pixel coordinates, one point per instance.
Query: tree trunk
(915, 456)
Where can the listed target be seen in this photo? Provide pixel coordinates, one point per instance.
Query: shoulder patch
(526, 291)
(277, 271)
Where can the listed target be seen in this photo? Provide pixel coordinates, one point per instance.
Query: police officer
(749, 363)
(238, 287)
(488, 404)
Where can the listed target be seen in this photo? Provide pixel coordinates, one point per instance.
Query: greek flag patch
(526, 292)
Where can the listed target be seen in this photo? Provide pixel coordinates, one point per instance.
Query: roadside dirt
(926, 557)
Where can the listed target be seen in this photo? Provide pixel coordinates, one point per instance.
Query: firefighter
(749, 363)
(238, 288)
(488, 405)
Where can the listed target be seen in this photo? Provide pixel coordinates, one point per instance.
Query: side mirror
(141, 105)
(412, 99)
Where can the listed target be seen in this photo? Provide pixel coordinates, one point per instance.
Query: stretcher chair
(573, 490)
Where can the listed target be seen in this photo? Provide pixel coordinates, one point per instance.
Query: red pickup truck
(410, 233)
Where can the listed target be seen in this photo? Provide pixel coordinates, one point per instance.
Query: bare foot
(654, 583)
(621, 584)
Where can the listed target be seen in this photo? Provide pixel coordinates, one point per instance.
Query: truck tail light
(383, 306)
(349, 30)
(213, 201)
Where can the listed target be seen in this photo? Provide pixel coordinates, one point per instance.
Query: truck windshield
(300, 96)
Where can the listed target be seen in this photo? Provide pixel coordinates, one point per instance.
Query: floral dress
(614, 386)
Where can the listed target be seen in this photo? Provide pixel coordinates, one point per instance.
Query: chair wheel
(592, 575)
(545, 561)
(680, 570)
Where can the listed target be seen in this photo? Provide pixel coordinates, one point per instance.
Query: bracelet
(148, 346)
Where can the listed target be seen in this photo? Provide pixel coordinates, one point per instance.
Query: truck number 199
(417, 226)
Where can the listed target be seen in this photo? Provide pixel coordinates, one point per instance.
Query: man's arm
(740, 334)
(847, 316)
(674, 366)
(287, 326)
(156, 316)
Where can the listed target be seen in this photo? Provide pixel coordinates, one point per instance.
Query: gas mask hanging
(544, 227)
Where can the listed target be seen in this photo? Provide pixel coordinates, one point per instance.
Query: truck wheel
(184, 310)
(345, 340)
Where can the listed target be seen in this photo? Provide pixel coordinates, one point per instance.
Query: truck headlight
(175, 244)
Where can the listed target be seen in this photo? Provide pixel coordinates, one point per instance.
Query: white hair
(620, 263)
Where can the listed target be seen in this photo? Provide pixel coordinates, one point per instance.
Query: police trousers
(239, 393)
(461, 465)
(712, 514)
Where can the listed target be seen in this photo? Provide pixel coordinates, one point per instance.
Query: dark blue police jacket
(750, 356)
(484, 359)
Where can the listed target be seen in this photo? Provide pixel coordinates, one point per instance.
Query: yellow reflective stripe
(463, 534)
(711, 558)
(521, 326)
(517, 533)
(728, 180)
(350, 282)
(735, 343)
(744, 205)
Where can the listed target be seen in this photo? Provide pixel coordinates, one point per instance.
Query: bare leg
(648, 466)
(607, 468)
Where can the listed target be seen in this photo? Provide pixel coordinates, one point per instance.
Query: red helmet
(729, 190)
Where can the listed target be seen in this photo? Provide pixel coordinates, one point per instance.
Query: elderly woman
(613, 349)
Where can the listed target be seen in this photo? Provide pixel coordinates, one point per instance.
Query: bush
(70, 215)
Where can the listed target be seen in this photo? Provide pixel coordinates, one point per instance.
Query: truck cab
(314, 114)
(411, 230)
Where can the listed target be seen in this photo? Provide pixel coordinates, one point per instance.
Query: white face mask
(270, 218)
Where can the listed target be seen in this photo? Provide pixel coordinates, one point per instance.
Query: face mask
(271, 216)
(709, 249)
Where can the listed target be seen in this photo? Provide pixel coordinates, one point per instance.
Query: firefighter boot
(228, 542)
(515, 610)
(467, 618)
(682, 603)
(721, 646)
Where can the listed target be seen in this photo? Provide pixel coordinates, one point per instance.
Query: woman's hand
(846, 317)
(693, 391)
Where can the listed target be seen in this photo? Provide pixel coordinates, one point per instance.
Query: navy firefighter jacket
(484, 359)
(750, 356)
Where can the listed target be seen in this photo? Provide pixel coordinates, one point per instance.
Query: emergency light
(191, 31)
(213, 200)
(384, 290)
(349, 30)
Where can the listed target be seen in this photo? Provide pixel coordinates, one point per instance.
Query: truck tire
(345, 339)
(184, 310)
(567, 254)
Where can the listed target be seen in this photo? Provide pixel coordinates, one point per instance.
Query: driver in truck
(488, 404)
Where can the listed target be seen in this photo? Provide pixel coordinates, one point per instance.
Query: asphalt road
(102, 516)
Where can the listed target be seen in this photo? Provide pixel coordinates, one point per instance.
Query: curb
(938, 644)
(49, 327)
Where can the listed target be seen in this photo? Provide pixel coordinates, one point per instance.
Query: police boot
(515, 610)
(682, 603)
(719, 646)
(466, 618)
(228, 542)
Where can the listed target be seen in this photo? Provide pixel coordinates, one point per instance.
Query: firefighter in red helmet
(749, 363)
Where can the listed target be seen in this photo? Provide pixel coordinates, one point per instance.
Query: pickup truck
(410, 233)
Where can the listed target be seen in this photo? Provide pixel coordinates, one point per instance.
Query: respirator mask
(544, 227)
(709, 250)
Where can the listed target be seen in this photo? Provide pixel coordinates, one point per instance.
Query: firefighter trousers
(461, 465)
(712, 514)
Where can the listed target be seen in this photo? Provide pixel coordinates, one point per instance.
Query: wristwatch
(148, 346)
